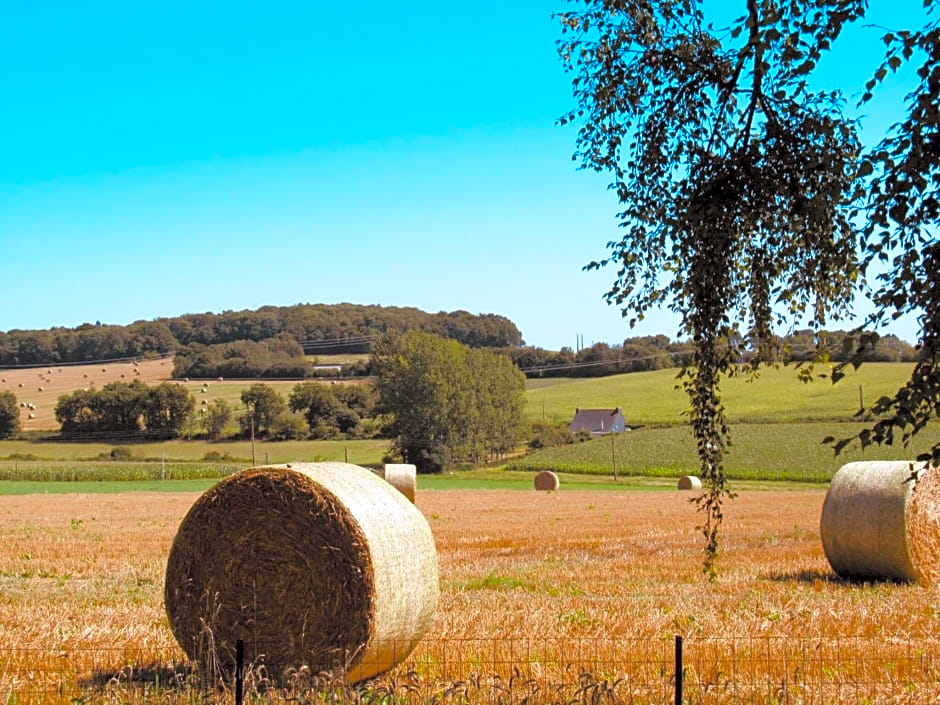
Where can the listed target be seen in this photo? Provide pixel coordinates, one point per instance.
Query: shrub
(549, 436)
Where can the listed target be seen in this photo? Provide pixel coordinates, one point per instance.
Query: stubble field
(584, 586)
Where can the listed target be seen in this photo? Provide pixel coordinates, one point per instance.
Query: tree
(901, 233)
(448, 402)
(166, 409)
(735, 181)
(9, 415)
(119, 406)
(316, 402)
(217, 415)
(264, 404)
(76, 412)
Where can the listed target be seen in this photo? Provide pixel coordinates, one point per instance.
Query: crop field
(56, 381)
(776, 396)
(766, 451)
(580, 588)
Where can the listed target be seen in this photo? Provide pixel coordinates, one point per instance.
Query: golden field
(583, 587)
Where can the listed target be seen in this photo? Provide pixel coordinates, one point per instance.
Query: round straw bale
(221, 379)
(404, 478)
(32, 416)
(689, 482)
(547, 480)
(316, 564)
(881, 520)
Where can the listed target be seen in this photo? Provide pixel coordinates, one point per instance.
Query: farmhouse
(598, 422)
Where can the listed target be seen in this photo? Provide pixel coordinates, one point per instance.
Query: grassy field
(104, 480)
(568, 587)
(760, 452)
(361, 452)
(774, 397)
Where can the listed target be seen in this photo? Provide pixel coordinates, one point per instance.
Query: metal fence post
(239, 671)
(678, 669)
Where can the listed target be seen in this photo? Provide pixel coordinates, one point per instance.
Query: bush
(548, 436)
(214, 456)
(289, 427)
(119, 453)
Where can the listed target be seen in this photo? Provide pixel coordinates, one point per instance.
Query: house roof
(595, 419)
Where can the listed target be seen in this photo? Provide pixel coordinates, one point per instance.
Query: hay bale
(317, 564)
(32, 416)
(882, 521)
(40, 389)
(404, 478)
(547, 480)
(689, 482)
(221, 379)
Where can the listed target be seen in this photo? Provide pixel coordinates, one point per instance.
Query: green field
(487, 479)
(360, 452)
(776, 396)
(770, 451)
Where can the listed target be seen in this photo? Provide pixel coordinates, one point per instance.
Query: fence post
(239, 671)
(678, 669)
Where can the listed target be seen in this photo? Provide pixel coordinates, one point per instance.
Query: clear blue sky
(186, 157)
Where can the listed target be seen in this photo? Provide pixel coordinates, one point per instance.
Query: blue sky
(170, 159)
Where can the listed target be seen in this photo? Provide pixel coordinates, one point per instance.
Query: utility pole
(252, 417)
(613, 455)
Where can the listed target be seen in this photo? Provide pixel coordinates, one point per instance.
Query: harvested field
(607, 575)
(69, 378)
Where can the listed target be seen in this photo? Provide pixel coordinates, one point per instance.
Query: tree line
(343, 327)
(656, 352)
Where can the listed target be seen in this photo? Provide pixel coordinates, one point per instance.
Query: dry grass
(574, 570)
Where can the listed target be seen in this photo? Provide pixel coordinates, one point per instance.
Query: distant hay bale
(85, 375)
(316, 564)
(689, 482)
(185, 379)
(20, 384)
(881, 521)
(40, 389)
(22, 404)
(204, 402)
(104, 369)
(547, 480)
(220, 379)
(122, 374)
(404, 478)
(32, 416)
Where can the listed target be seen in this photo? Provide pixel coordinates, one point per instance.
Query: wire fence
(711, 671)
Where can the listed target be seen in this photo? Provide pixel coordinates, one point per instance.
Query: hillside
(319, 328)
(775, 396)
(56, 381)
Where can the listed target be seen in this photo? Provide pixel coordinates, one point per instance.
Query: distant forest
(316, 328)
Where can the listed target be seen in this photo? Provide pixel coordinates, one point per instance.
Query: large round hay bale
(404, 478)
(316, 564)
(689, 482)
(880, 520)
(547, 480)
